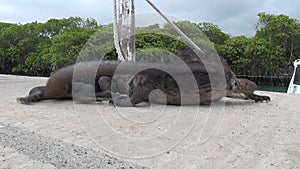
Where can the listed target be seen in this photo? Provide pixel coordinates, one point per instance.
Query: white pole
(124, 29)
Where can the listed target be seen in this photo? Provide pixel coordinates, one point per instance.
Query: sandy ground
(230, 134)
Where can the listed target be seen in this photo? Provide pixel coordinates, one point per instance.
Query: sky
(235, 17)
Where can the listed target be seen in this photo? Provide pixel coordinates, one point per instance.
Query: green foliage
(253, 56)
(213, 32)
(41, 48)
(100, 45)
(266, 58)
(66, 47)
(192, 31)
(17, 41)
(282, 31)
(272, 50)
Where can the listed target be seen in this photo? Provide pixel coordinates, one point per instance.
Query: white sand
(231, 134)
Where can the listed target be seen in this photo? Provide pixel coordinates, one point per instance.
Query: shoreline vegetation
(38, 49)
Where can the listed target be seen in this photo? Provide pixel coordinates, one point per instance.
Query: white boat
(294, 86)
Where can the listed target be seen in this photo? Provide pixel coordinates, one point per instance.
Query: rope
(116, 32)
(186, 38)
